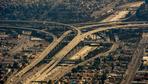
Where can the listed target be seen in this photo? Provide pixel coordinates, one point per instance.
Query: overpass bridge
(60, 55)
(65, 70)
(43, 23)
(75, 41)
(56, 75)
(50, 47)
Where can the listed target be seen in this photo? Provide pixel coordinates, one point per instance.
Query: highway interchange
(80, 36)
(77, 39)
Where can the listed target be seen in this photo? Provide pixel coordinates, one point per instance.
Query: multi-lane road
(39, 58)
(58, 57)
(135, 63)
(44, 73)
(54, 63)
(60, 71)
(18, 75)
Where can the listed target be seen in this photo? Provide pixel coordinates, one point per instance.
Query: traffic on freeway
(111, 49)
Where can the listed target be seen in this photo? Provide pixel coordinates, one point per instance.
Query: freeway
(111, 24)
(85, 50)
(53, 63)
(40, 57)
(82, 53)
(136, 4)
(44, 76)
(117, 15)
(135, 63)
(42, 22)
(25, 28)
(145, 25)
(111, 18)
(78, 39)
(47, 50)
(127, 26)
(60, 71)
(59, 56)
(63, 70)
(35, 61)
(98, 24)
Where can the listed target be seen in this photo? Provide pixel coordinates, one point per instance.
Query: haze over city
(73, 41)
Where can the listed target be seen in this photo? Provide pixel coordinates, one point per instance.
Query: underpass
(60, 71)
(73, 43)
(133, 26)
(81, 37)
(44, 75)
(42, 55)
(30, 66)
(108, 19)
(102, 29)
(54, 63)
